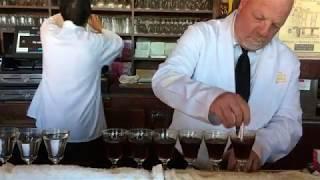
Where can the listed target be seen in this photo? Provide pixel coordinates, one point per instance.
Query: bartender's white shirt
(202, 67)
(69, 95)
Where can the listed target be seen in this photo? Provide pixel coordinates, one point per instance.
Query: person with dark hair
(69, 95)
(75, 11)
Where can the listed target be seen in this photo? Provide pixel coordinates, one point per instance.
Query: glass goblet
(242, 147)
(55, 141)
(115, 140)
(216, 141)
(139, 140)
(164, 141)
(28, 142)
(8, 137)
(190, 141)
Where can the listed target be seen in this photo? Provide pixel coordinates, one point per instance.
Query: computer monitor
(27, 43)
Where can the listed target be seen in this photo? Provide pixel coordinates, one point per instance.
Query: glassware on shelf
(21, 20)
(121, 4)
(138, 4)
(55, 141)
(118, 24)
(28, 142)
(163, 25)
(39, 3)
(140, 140)
(216, 141)
(190, 141)
(163, 4)
(242, 147)
(164, 141)
(224, 8)
(8, 138)
(115, 140)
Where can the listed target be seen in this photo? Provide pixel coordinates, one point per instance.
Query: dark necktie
(242, 75)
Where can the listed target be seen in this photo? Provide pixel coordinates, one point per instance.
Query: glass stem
(140, 164)
(165, 163)
(215, 164)
(114, 163)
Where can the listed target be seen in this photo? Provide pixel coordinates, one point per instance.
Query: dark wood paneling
(310, 69)
(137, 111)
(14, 115)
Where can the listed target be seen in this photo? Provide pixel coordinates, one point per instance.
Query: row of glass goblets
(216, 141)
(29, 140)
(164, 141)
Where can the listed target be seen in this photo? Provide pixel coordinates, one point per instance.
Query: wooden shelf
(124, 34)
(149, 59)
(157, 35)
(111, 9)
(103, 9)
(25, 7)
(173, 11)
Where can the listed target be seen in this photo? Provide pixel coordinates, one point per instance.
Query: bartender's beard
(254, 44)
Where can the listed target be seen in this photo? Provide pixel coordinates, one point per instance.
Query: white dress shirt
(202, 67)
(69, 95)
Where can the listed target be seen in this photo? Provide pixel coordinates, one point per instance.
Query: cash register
(21, 64)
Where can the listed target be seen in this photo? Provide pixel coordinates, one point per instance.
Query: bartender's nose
(265, 29)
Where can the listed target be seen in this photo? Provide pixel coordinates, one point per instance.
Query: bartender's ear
(242, 4)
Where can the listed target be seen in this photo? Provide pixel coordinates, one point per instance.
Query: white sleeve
(49, 26)
(173, 83)
(111, 45)
(284, 130)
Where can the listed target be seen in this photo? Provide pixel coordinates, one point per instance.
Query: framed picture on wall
(301, 31)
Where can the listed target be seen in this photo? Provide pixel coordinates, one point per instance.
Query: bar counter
(34, 172)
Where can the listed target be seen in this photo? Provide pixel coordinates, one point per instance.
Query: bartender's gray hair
(77, 11)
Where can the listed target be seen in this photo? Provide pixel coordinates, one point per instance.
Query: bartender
(69, 95)
(201, 82)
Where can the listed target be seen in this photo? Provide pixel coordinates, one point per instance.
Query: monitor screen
(27, 42)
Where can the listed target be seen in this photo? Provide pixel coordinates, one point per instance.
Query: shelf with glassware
(158, 20)
(24, 7)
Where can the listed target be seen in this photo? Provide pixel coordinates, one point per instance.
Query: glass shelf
(24, 7)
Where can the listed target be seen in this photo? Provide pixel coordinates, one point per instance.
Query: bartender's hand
(95, 22)
(58, 20)
(230, 109)
(253, 164)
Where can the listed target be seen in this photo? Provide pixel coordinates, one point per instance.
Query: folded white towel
(66, 172)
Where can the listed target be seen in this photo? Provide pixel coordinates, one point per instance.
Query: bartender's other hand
(58, 20)
(231, 159)
(95, 22)
(254, 162)
(231, 110)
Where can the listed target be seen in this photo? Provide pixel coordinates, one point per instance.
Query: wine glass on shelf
(55, 141)
(216, 141)
(164, 141)
(190, 141)
(115, 140)
(139, 140)
(8, 136)
(28, 142)
(242, 147)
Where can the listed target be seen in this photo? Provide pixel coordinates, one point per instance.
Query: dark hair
(77, 11)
